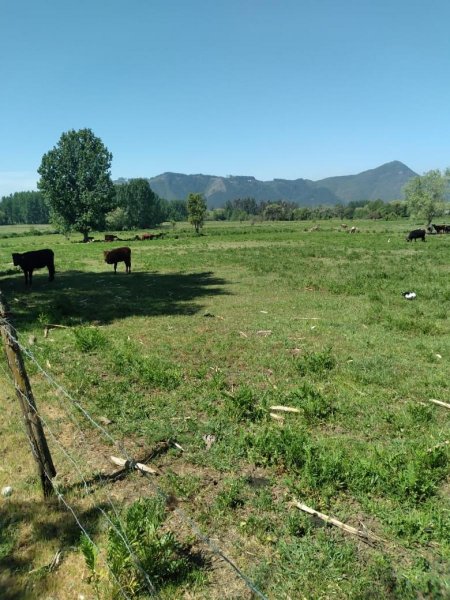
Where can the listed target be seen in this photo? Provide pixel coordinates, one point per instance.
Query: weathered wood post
(25, 396)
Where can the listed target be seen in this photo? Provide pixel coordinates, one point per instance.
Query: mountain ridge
(384, 182)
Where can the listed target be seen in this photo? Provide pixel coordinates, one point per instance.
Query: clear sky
(269, 88)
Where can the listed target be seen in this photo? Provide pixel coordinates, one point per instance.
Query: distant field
(21, 229)
(204, 336)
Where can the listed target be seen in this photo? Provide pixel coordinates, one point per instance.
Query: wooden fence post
(25, 396)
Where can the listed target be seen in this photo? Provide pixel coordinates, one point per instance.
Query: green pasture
(206, 334)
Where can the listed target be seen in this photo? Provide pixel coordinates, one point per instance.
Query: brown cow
(35, 259)
(112, 257)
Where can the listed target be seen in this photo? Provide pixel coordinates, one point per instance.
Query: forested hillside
(385, 182)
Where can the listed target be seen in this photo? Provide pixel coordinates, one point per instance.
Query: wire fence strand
(131, 462)
(60, 496)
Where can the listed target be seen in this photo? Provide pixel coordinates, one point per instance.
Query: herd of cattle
(38, 259)
(419, 234)
(438, 228)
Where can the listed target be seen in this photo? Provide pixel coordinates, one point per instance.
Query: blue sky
(269, 88)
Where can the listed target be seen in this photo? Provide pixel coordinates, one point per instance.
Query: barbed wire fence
(10, 337)
(61, 497)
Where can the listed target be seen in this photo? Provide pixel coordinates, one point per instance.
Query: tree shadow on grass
(99, 298)
(49, 523)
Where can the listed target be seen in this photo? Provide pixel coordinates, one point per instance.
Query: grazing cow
(110, 237)
(416, 234)
(147, 236)
(35, 259)
(112, 257)
(439, 228)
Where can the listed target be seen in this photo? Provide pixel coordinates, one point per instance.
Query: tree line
(76, 193)
(243, 209)
(136, 206)
(22, 208)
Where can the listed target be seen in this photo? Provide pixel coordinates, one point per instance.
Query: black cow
(439, 228)
(416, 234)
(112, 257)
(35, 259)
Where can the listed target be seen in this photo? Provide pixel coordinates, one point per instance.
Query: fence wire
(195, 528)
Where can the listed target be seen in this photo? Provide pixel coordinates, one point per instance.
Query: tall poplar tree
(76, 182)
(196, 205)
(425, 195)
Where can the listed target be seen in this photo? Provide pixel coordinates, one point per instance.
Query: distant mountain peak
(385, 182)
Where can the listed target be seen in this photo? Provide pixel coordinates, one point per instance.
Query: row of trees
(248, 208)
(77, 194)
(137, 206)
(23, 207)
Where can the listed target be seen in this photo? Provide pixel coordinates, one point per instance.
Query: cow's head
(16, 259)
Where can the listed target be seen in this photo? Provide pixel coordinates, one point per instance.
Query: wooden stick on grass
(439, 402)
(53, 326)
(121, 462)
(277, 417)
(367, 535)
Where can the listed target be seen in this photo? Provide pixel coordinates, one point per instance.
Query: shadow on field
(80, 297)
(24, 528)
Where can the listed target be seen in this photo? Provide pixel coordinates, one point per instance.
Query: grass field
(201, 339)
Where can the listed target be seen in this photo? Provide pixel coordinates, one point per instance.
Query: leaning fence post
(25, 396)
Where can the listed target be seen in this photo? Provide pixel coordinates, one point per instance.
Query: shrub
(278, 446)
(89, 339)
(315, 406)
(232, 495)
(316, 362)
(243, 405)
(148, 370)
(326, 467)
(156, 554)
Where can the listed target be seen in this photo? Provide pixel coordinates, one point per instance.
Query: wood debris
(290, 409)
(277, 417)
(439, 402)
(53, 326)
(121, 462)
(362, 533)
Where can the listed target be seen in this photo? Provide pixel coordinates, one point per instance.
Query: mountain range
(384, 182)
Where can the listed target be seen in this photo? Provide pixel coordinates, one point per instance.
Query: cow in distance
(416, 234)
